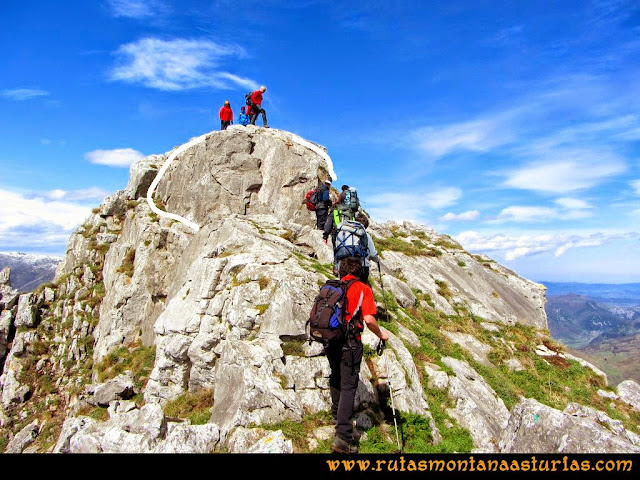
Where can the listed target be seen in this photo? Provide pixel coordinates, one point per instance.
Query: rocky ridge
(156, 338)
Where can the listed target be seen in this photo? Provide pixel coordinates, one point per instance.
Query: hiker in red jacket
(226, 115)
(256, 107)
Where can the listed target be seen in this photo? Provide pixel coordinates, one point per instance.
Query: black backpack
(247, 97)
(327, 317)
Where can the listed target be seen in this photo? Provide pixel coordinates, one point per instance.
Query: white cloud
(526, 213)
(43, 221)
(177, 64)
(85, 194)
(469, 215)
(636, 186)
(572, 203)
(571, 171)
(136, 8)
(569, 209)
(119, 157)
(476, 136)
(38, 223)
(411, 205)
(511, 247)
(20, 94)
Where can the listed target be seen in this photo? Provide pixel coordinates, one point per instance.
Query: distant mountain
(29, 271)
(619, 294)
(618, 357)
(577, 320)
(604, 328)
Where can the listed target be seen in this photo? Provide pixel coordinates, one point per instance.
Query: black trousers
(345, 359)
(224, 124)
(255, 111)
(321, 217)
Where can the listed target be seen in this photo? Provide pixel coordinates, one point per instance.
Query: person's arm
(328, 226)
(373, 253)
(372, 324)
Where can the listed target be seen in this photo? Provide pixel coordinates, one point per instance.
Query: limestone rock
(120, 387)
(478, 408)
(23, 438)
(437, 378)
(27, 311)
(182, 438)
(471, 344)
(629, 391)
(6, 320)
(534, 427)
(142, 173)
(273, 443)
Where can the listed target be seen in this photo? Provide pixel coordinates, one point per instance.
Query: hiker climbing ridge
(194, 226)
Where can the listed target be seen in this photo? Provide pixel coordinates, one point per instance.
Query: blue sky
(512, 126)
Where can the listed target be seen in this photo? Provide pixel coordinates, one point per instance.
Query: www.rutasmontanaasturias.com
(532, 464)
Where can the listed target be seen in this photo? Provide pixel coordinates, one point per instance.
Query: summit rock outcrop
(155, 337)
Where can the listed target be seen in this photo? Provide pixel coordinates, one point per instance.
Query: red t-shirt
(368, 306)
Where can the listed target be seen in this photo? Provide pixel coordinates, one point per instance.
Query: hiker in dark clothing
(226, 115)
(324, 202)
(372, 253)
(256, 107)
(345, 354)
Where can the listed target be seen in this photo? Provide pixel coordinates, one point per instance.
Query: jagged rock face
(225, 309)
(486, 288)
(266, 172)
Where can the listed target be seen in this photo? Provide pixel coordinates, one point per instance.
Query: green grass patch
(196, 406)
(127, 264)
(300, 431)
(139, 360)
(293, 347)
(444, 290)
(410, 249)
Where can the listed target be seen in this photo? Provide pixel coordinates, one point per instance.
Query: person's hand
(383, 335)
(325, 241)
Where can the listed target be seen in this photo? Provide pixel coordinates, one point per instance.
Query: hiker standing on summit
(243, 118)
(226, 115)
(345, 354)
(256, 107)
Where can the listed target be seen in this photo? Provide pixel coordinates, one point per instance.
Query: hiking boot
(266, 126)
(340, 446)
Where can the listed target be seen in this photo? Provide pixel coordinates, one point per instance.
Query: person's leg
(264, 118)
(321, 218)
(254, 116)
(334, 355)
(350, 375)
(221, 124)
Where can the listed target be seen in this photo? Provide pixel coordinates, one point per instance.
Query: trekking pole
(380, 350)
